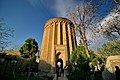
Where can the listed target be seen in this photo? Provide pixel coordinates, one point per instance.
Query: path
(60, 78)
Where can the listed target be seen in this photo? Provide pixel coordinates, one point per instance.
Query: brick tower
(58, 43)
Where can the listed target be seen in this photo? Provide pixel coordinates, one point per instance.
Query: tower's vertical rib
(53, 46)
(47, 44)
(58, 34)
(65, 39)
(61, 34)
(64, 33)
(70, 41)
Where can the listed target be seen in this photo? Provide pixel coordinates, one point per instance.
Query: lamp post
(2, 60)
(14, 62)
(37, 61)
(6, 61)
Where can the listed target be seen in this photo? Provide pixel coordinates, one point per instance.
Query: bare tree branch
(5, 33)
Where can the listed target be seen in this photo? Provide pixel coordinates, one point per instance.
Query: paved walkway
(60, 78)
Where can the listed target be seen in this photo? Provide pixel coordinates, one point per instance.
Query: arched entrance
(59, 67)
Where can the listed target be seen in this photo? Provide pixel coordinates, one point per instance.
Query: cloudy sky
(28, 17)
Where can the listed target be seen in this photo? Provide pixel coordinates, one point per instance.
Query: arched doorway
(59, 67)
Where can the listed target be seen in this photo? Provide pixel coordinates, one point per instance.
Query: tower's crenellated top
(56, 20)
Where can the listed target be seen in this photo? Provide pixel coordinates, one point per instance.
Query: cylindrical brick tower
(58, 43)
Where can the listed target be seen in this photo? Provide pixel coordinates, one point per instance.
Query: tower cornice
(57, 20)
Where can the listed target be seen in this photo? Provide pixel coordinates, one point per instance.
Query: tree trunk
(86, 50)
(29, 68)
(84, 42)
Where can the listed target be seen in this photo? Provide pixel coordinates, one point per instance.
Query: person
(59, 68)
(57, 72)
(117, 73)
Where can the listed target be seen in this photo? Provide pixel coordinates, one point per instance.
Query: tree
(85, 17)
(117, 1)
(110, 48)
(28, 50)
(87, 66)
(5, 34)
(110, 27)
(82, 61)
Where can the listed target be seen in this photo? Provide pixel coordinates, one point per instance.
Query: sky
(27, 17)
